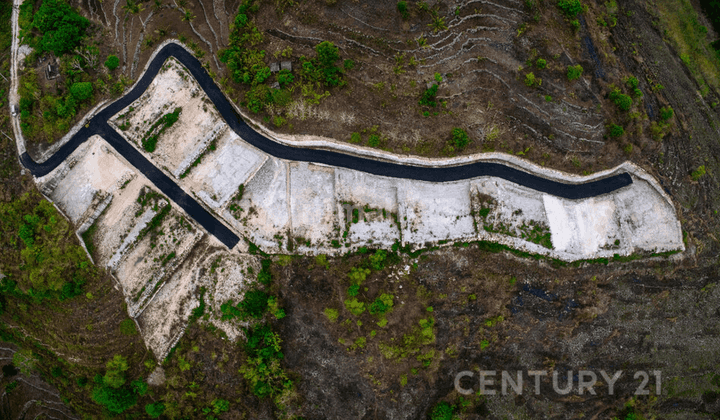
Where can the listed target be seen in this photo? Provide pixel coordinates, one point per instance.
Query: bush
(285, 78)
(541, 63)
(622, 101)
(355, 138)
(358, 275)
(570, 8)
(115, 400)
(402, 8)
(263, 369)
(428, 97)
(61, 26)
(377, 260)
(374, 140)
(442, 411)
(698, 173)
(127, 327)
(353, 290)
(112, 62)
(666, 113)
(574, 72)
(615, 130)
(155, 410)
(355, 306)
(632, 82)
(254, 303)
(460, 138)
(531, 80)
(115, 372)
(332, 314)
(382, 304)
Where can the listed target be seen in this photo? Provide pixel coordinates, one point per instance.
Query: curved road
(98, 125)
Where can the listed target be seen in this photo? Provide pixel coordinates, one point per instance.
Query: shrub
(285, 78)
(428, 97)
(574, 72)
(81, 91)
(666, 113)
(698, 173)
(382, 304)
(377, 260)
(355, 138)
(402, 8)
(355, 306)
(353, 290)
(262, 369)
(127, 327)
(442, 411)
(254, 303)
(155, 410)
(358, 275)
(541, 63)
(531, 80)
(570, 8)
(61, 26)
(615, 130)
(115, 372)
(115, 400)
(621, 100)
(374, 140)
(460, 138)
(112, 62)
(332, 314)
(632, 82)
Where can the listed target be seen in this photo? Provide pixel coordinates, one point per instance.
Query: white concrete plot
(313, 207)
(374, 201)
(431, 212)
(264, 210)
(217, 178)
(92, 171)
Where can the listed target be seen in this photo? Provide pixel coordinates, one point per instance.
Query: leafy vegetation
(532, 81)
(149, 141)
(442, 411)
(574, 72)
(615, 130)
(570, 8)
(621, 100)
(428, 96)
(61, 27)
(112, 62)
(263, 368)
(698, 173)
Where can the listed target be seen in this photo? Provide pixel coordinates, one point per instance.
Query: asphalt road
(98, 125)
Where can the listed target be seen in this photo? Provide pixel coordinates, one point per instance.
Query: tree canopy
(61, 26)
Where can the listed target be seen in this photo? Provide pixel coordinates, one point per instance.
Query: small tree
(81, 91)
(531, 80)
(460, 138)
(402, 8)
(615, 130)
(570, 8)
(541, 63)
(574, 72)
(155, 410)
(666, 113)
(112, 62)
(115, 373)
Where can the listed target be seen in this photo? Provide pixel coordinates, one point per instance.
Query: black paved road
(98, 125)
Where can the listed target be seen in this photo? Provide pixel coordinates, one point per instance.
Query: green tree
(442, 411)
(112, 62)
(570, 8)
(460, 138)
(81, 91)
(62, 28)
(155, 410)
(574, 72)
(115, 400)
(24, 361)
(115, 372)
